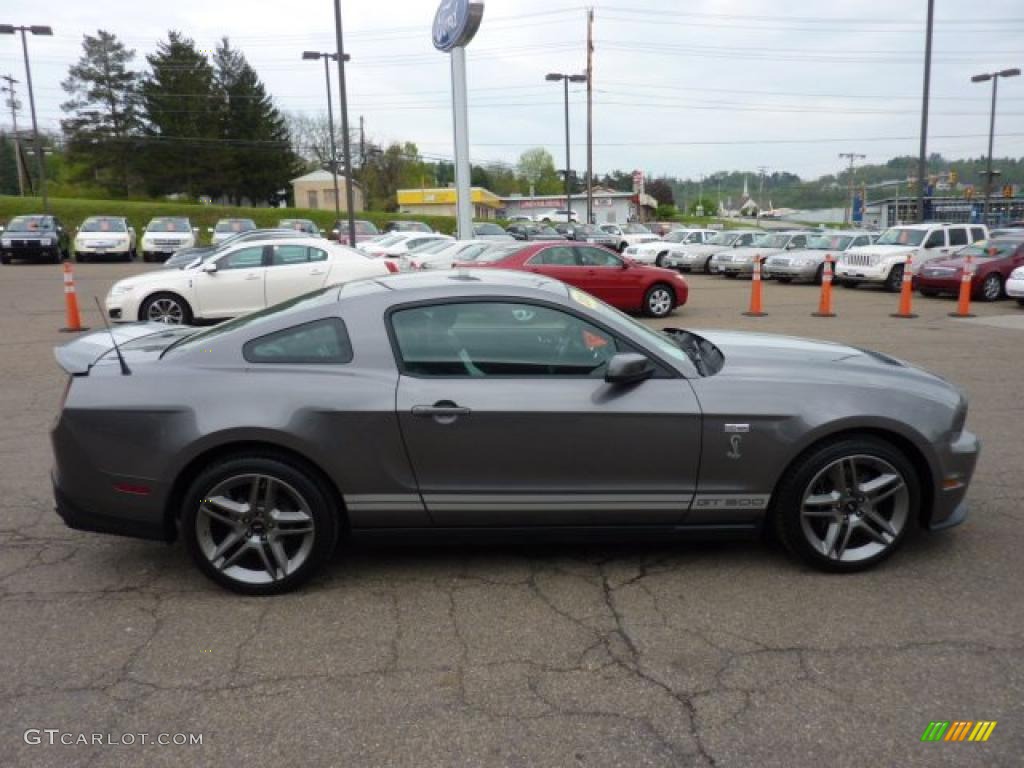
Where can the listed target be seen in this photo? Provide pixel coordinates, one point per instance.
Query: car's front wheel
(991, 288)
(847, 506)
(894, 281)
(166, 308)
(258, 525)
(659, 300)
(660, 260)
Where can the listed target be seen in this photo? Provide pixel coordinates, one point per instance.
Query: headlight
(120, 289)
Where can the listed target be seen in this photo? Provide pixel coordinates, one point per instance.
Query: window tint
(958, 236)
(936, 239)
(283, 255)
(555, 257)
(598, 257)
(799, 241)
(499, 339)
(319, 342)
(977, 233)
(244, 258)
(862, 240)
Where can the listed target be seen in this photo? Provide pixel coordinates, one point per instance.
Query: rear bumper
(74, 516)
(797, 273)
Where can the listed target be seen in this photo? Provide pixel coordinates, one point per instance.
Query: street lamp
(994, 77)
(346, 155)
(566, 79)
(328, 58)
(10, 29)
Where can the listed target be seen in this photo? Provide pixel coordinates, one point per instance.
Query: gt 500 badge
(729, 501)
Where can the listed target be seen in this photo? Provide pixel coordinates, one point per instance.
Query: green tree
(103, 112)
(399, 166)
(182, 119)
(537, 172)
(256, 158)
(8, 167)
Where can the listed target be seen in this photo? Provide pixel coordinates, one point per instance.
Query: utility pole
(345, 151)
(762, 170)
(922, 160)
(12, 102)
(590, 116)
(852, 157)
(10, 29)
(362, 146)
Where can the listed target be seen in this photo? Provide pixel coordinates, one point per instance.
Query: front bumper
(807, 272)
(949, 284)
(1015, 288)
(738, 268)
(957, 461)
(858, 274)
(33, 252)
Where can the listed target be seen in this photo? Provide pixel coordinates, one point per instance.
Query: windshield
(103, 224)
(409, 226)
(432, 246)
(169, 225)
(545, 231)
(362, 227)
(990, 249)
(30, 224)
(497, 253)
(488, 229)
(389, 240)
(676, 236)
(830, 243)
(894, 236)
(724, 238)
(770, 241)
(234, 225)
(300, 225)
(637, 229)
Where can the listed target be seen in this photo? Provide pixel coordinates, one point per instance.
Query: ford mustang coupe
(487, 400)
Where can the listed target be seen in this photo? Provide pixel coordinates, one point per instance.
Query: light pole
(994, 77)
(328, 57)
(566, 79)
(10, 29)
(341, 58)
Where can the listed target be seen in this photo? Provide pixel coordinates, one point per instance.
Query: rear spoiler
(78, 356)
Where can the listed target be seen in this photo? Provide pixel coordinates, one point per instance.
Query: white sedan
(399, 244)
(655, 252)
(443, 254)
(242, 279)
(1015, 285)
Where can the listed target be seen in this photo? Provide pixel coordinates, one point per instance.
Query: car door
(294, 270)
(486, 455)
(609, 277)
(559, 262)
(935, 246)
(237, 285)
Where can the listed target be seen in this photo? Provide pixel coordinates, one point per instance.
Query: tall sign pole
(346, 153)
(590, 116)
(455, 24)
(922, 158)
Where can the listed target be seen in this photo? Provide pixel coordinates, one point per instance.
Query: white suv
(883, 263)
(166, 234)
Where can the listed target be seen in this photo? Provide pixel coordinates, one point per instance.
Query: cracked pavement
(528, 655)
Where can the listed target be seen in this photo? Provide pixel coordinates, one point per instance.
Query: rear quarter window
(320, 342)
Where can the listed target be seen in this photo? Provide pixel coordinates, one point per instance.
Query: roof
(322, 175)
(470, 280)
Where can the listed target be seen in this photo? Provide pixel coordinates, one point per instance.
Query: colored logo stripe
(982, 730)
(958, 730)
(935, 730)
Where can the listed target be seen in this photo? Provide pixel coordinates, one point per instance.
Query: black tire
(659, 261)
(849, 283)
(786, 513)
(287, 474)
(731, 275)
(991, 288)
(81, 258)
(707, 266)
(5, 259)
(184, 310)
(1019, 301)
(654, 300)
(819, 275)
(129, 256)
(145, 258)
(895, 278)
(57, 257)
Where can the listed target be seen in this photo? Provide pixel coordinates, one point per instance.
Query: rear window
(321, 342)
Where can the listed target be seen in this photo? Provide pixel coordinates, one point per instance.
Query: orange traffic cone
(906, 292)
(825, 302)
(755, 291)
(72, 316)
(963, 307)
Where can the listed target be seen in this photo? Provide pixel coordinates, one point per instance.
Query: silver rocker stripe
(533, 502)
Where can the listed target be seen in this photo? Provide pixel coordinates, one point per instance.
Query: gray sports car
(499, 402)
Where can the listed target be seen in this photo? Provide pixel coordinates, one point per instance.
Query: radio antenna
(125, 370)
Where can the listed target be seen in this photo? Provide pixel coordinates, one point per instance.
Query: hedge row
(72, 211)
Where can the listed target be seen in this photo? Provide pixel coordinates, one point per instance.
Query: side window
(958, 236)
(283, 255)
(482, 339)
(746, 239)
(315, 254)
(977, 233)
(798, 241)
(559, 256)
(936, 239)
(319, 342)
(598, 257)
(244, 258)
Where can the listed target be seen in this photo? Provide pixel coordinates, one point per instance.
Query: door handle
(252, 277)
(317, 272)
(443, 411)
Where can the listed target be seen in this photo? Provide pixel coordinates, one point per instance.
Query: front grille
(776, 262)
(171, 243)
(859, 259)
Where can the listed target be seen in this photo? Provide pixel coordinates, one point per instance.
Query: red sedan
(994, 260)
(620, 282)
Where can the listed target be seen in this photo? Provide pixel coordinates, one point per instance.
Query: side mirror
(210, 267)
(628, 368)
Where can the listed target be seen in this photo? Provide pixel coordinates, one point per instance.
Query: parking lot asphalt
(526, 655)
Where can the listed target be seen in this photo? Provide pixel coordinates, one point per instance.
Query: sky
(684, 89)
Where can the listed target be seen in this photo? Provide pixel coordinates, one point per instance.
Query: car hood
(798, 360)
(884, 250)
(955, 263)
(7, 234)
(161, 277)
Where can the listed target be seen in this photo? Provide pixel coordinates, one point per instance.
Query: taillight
(392, 268)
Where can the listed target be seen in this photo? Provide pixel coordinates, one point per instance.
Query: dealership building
(610, 207)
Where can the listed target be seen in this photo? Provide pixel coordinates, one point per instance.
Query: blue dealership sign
(455, 23)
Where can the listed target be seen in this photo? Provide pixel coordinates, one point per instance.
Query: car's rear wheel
(847, 506)
(707, 266)
(659, 300)
(895, 279)
(992, 288)
(733, 275)
(785, 280)
(258, 525)
(660, 260)
(166, 308)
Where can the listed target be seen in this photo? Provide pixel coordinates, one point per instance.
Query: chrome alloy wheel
(992, 288)
(165, 310)
(659, 302)
(255, 529)
(855, 508)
